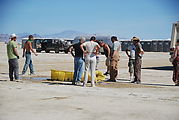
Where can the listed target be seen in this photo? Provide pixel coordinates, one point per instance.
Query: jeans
(28, 63)
(78, 69)
(13, 69)
(90, 64)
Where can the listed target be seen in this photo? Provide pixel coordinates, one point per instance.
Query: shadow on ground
(148, 84)
(167, 68)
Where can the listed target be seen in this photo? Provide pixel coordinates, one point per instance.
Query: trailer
(174, 37)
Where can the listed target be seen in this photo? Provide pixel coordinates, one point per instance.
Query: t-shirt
(10, 52)
(138, 50)
(116, 46)
(90, 48)
(78, 50)
(132, 51)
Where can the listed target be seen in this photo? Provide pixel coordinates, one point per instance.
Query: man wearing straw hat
(138, 60)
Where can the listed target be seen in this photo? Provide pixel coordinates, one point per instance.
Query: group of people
(85, 56)
(13, 57)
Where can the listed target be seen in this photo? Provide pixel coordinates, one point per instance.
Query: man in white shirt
(130, 51)
(90, 53)
(114, 63)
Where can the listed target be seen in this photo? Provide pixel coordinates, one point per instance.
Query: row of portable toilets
(150, 46)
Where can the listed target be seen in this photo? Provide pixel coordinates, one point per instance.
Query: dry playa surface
(37, 98)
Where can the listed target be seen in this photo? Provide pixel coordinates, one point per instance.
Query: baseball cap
(13, 35)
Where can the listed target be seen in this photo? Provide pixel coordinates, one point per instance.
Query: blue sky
(126, 18)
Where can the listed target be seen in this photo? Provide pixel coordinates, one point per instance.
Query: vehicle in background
(174, 37)
(49, 44)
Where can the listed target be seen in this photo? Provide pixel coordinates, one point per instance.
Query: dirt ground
(36, 98)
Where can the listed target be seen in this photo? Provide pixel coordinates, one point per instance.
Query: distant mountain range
(65, 34)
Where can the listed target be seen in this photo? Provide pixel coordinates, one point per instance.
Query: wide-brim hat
(135, 39)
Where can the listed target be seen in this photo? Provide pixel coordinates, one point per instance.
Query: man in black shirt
(78, 61)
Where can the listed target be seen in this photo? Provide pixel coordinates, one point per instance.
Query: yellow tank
(68, 76)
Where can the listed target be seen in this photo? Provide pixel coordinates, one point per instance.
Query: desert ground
(37, 98)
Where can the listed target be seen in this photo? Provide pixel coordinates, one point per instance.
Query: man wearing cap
(78, 61)
(27, 53)
(114, 61)
(138, 60)
(13, 57)
(90, 53)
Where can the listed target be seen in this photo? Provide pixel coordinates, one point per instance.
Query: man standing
(107, 51)
(130, 51)
(138, 60)
(13, 57)
(90, 53)
(114, 63)
(78, 61)
(27, 53)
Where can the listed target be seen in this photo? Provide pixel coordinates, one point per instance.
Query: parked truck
(174, 37)
(47, 45)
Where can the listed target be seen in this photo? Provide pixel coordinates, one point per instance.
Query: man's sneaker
(79, 83)
(93, 86)
(23, 74)
(32, 74)
(106, 73)
(138, 82)
(18, 80)
(133, 81)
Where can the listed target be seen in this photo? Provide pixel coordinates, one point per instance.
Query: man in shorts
(130, 51)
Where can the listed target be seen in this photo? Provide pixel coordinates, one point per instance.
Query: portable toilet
(124, 45)
(142, 43)
(147, 46)
(166, 46)
(160, 46)
(154, 46)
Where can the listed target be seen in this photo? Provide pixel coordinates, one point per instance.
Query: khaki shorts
(131, 65)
